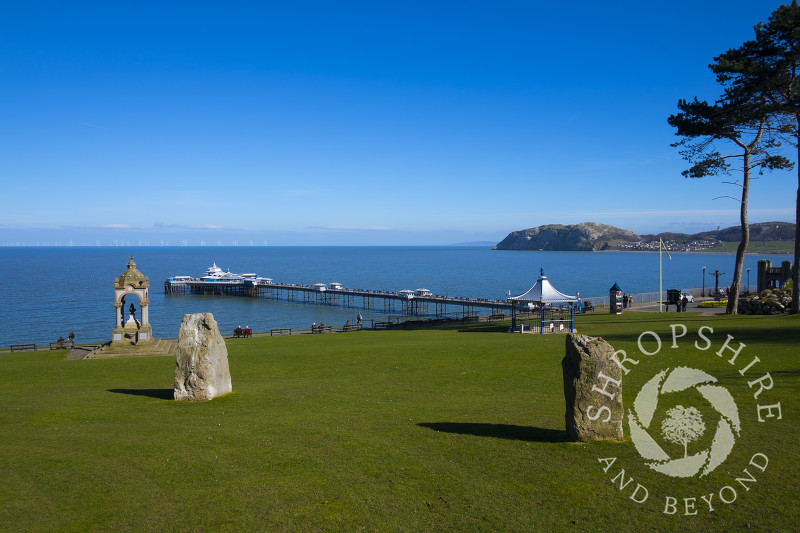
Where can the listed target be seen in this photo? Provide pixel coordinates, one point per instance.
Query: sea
(47, 291)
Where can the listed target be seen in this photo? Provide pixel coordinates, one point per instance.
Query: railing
(654, 297)
(550, 326)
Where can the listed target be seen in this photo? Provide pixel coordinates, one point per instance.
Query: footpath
(82, 351)
(691, 307)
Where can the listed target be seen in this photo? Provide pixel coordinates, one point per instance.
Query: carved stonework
(131, 329)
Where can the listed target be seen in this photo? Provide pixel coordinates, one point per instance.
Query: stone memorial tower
(131, 283)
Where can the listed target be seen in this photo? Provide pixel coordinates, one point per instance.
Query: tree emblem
(683, 425)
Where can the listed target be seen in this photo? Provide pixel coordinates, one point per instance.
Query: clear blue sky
(299, 123)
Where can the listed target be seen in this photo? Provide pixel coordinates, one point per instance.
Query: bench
(280, 331)
(381, 325)
(60, 345)
(496, 316)
(322, 329)
(22, 347)
(351, 327)
(238, 332)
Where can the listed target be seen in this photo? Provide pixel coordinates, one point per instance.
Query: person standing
(71, 336)
(358, 318)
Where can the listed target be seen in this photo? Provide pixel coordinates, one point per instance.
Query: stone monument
(201, 368)
(592, 390)
(131, 332)
(132, 337)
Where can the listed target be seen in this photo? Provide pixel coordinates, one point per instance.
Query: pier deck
(401, 302)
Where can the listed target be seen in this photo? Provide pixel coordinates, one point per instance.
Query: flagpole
(660, 291)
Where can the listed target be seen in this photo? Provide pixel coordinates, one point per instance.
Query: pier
(406, 302)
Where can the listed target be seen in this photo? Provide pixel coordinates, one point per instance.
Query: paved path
(692, 307)
(79, 352)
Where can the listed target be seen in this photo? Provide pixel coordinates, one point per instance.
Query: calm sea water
(45, 292)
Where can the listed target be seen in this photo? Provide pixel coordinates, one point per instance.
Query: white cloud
(348, 228)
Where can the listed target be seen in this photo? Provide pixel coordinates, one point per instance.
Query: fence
(654, 297)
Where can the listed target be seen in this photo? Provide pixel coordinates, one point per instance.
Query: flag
(664, 246)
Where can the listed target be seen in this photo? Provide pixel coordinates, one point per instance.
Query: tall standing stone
(201, 369)
(592, 390)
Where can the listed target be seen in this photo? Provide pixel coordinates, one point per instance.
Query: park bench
(497, 316)
(60, 345)
(22, 347)
(351, 327)
(322, 329)
(381, 325)
(280, 331)
(239, 332)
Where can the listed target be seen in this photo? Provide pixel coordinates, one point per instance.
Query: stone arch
(133, 331)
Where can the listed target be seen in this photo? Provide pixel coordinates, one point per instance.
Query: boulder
(201, 369)
(768, 302)
(592, 390)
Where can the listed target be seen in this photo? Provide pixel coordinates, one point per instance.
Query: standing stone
(201, 370)
(592, 379)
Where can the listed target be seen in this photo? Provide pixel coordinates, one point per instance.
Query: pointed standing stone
(201, 369)
(592, 390)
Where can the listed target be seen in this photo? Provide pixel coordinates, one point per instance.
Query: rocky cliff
(587, 236)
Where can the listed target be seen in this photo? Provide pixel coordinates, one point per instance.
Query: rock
(585, 360)
(586, 236)
(768, 302)
(201, 369)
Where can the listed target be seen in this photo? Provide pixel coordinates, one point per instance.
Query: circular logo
(683, 425)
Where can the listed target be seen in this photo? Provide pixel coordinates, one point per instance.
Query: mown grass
(427, 430)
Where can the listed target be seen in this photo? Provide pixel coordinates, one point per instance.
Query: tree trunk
(796, 267)
(741, 250)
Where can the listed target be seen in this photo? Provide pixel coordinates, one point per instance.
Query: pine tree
(745, 125)
(767, 70)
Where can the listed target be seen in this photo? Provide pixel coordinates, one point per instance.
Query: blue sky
(358, 123)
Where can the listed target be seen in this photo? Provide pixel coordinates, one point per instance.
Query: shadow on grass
(741, 329)
(492, 327)
(159, 394)
(499, 431)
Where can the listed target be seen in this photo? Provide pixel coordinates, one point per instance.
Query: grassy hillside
(758, 247)
(450, 429)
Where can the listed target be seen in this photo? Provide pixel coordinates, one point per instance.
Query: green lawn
(442, 429)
